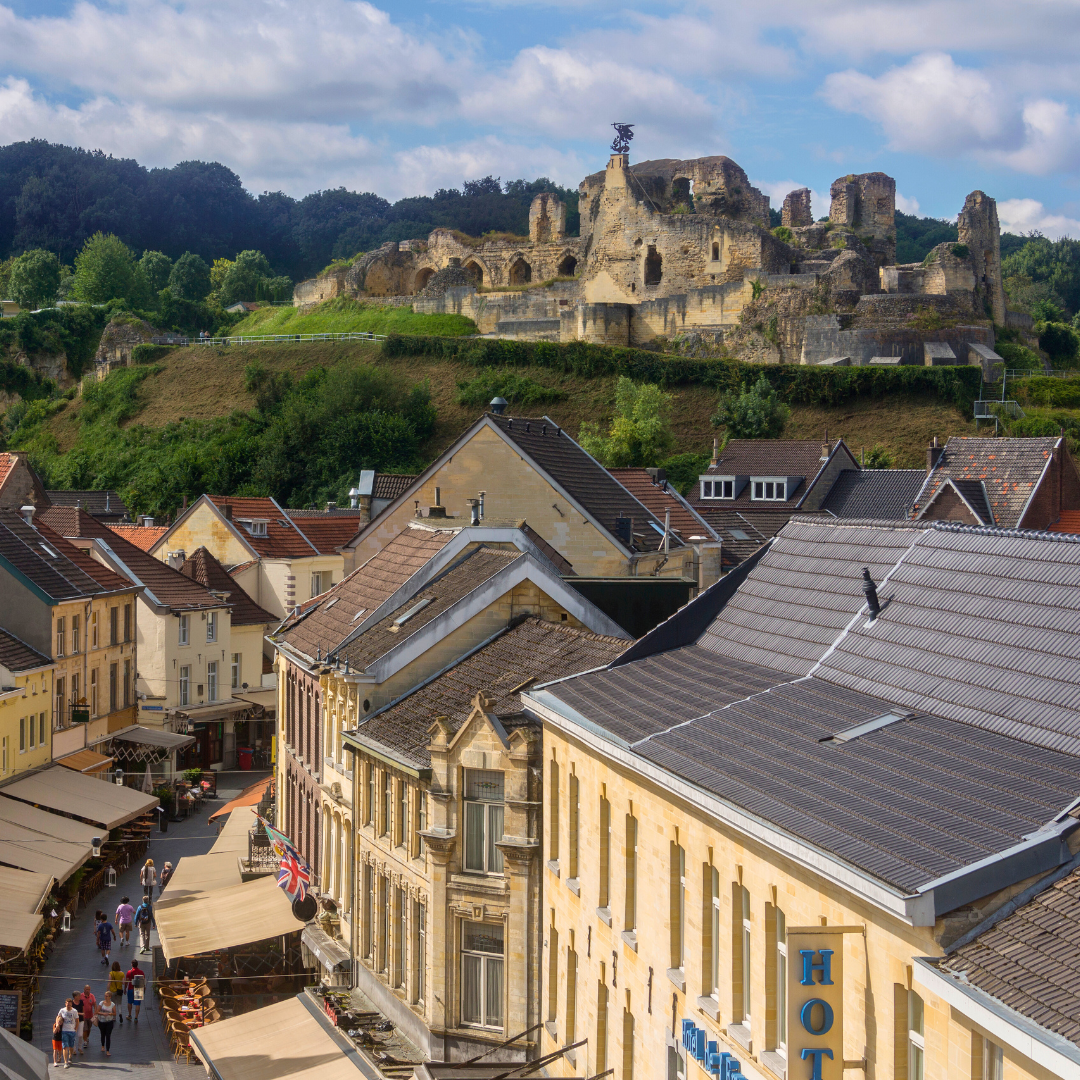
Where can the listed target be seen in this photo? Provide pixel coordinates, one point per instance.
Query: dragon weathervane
(623, 134)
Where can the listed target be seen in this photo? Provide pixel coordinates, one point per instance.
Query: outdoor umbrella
(148, 781)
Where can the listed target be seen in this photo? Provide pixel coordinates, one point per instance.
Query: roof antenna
(870, 589)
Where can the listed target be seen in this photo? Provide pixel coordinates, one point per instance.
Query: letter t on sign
(817, 1054)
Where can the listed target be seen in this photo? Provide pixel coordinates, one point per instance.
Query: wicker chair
(212, 1017)
(183, 1045)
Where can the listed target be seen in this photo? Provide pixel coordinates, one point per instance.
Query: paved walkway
(141, 1048)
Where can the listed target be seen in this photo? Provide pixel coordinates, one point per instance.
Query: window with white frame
(720, 487)
(401, 825)
(76, 641)
(484, 812)
(93, 629)
(211, 681)
(22, 734)
(419, 951)
(482, 974)
(185, 629)
(768, 488)
(320, 582)
(916, 1037)
(369, 807)
(185, 685)
(33, 731)
(41, 729)
(4, 756)
(211, 626)
(713, 982)
(387, 803)
(234, 670)
(61, 635)
(741, 959)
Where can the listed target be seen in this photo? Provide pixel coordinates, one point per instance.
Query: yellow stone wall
(22, 705)
(873, 964)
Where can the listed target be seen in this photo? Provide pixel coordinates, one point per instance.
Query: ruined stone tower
(547, 218)
(980, 232)
(867, 205)
(796, 212)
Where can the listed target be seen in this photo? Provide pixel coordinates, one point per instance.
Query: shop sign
(815, 1000)
(707, 1053)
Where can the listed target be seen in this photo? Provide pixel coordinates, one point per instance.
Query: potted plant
(164, 795)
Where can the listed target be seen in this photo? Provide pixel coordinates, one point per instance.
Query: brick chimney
(933, 455)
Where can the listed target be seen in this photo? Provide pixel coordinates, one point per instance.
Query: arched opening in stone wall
(681, 199)
(716, 251)
(568, 267)
(520, 272)
(475, 271)
(654, 266)
(422, 278)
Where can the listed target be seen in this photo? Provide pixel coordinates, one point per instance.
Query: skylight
(358, 614)
(738, 534)
(331, 603)
(412, 611)
(865, 728)
(49, 551)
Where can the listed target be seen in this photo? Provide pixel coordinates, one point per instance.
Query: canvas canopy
(198, 874)
(23, 893)
(222, 918)
(20, 1060)
(283, 1040)
(234, 833)
(94, 800)
(85, 761)
(250, 796)
(36, 840)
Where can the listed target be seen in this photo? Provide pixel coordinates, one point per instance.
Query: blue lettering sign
(817, 1056)
(806, 1016)
(809, 967)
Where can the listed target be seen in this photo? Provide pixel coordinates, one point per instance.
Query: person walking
(116, 988)
(166, 873)
(135, 978)
(144, 921)
(68, 1019)
(124, 914)
(77, 1005)
(105, 934)
(148, 877)
(89, 1011)
(58, 1040)
(106, 1017)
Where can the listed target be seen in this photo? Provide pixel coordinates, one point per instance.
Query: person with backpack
(144, 921)
(67, 1020)
(105, 934)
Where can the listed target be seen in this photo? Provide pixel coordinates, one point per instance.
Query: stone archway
(568, 267)
(520, 272)
(475, 271)
(654, 266)
(423, 276)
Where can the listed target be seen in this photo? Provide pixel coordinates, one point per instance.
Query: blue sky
(404, 97)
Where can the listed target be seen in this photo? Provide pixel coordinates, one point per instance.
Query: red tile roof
(659, 499)
(7, 463)
(329, 532)
(283, 540)
(142, 536)
(202, 567)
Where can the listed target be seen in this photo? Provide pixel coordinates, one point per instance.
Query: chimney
(825, 448)
(870, 589)
(331, 506)
(176, 559)
(933, 455)
(624, 530)
(226, 509)
(438, 510)
(715, 454)
(498, 405)
(482, 494)
(27, 514)
(184, 507)
(107, 508)
(474, 511)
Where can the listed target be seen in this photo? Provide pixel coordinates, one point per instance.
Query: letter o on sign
(806, 1016)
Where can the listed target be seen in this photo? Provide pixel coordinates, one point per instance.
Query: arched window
(716, 250)
(654, 266)
(520, 273)
(568, 267)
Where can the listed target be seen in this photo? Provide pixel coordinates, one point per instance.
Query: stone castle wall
(980, 232)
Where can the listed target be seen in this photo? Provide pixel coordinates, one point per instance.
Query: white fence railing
(284, 339)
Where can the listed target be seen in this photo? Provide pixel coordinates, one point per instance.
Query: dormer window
(720, 487)
(256, 527)
(768, 488)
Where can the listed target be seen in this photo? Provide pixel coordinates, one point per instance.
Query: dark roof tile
(201, 566)
(17, 656)
(878, 494)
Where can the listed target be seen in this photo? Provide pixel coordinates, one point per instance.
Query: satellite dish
(305, 910)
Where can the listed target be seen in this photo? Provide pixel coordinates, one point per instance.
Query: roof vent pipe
(482, 494)
(498, 405)
(27, 514)
(870, 589)
(474, 511)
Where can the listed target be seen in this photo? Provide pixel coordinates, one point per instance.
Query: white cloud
(1028, 215)
(907, 205)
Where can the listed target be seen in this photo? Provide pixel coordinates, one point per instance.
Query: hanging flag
(294, 876)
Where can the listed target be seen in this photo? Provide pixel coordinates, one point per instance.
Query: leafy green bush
(757, 413)
(74, 331)
(639, 433)
(1061, 343)
(782, 232)
(148, 354)
(683, 470)
(517, 389)
(1049, 392)
(879, 458)
(808, 384)
(960, 251)
(1018, 357)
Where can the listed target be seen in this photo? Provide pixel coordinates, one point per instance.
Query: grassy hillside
(345, 316)
(300, 420)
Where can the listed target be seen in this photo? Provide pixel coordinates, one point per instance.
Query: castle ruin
(681, 251)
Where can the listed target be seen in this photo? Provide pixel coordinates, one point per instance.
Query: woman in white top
(148, 877)
(106, 1017)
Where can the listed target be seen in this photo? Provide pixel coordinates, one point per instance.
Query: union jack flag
(294, 876)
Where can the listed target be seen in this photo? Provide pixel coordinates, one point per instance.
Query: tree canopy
(34, 278)
(757, 413)
(639, 434)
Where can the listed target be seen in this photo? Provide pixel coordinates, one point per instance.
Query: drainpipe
(353, 891)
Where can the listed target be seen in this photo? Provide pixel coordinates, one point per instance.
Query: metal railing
(989, 410)
(279, 339)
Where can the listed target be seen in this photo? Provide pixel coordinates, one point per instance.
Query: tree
(250, 278)
(156, 267)
(639, 434)
(35, 278)
(189, 278)
(105, 270)
(757, 413)
(1061, 343)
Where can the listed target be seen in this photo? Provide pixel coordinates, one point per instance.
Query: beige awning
(42, 842)
(221, 918)
(250, 796)
(24, 894)
(234, 833)
(45, 821)
(283, 1040)
(85, 761)
(70, 792)
(197, 874)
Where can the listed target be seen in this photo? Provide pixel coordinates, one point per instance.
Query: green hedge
(799, 384)
(149, 354)
(24, 381)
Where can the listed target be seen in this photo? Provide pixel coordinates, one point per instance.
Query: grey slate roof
(17, 656)
(97, 503)
(581, 477)
(1030, 960)
(880, 494)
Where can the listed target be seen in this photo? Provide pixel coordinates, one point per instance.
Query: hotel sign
(815, 1001)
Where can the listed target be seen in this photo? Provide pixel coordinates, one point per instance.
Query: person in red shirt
(134, 973)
